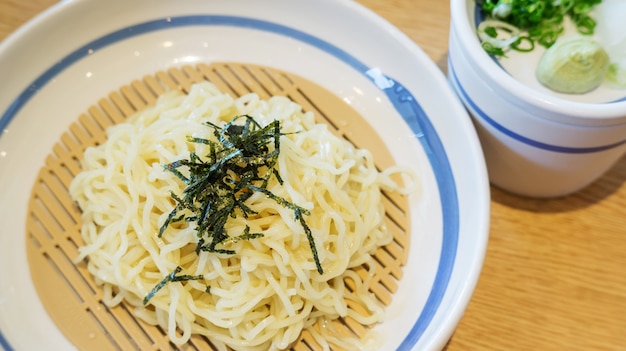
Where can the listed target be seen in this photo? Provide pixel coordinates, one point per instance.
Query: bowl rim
(557, 109)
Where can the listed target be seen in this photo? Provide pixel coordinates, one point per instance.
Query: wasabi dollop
(573, 65)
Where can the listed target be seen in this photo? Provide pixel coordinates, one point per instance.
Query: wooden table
(555, 273)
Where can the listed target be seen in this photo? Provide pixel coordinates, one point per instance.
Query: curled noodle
(265, 295)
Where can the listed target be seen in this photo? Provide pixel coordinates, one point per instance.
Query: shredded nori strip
(240, 162)
(172, 277)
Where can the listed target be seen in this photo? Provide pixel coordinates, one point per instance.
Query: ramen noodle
(266, 290)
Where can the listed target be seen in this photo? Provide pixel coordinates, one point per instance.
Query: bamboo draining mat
(68, 291)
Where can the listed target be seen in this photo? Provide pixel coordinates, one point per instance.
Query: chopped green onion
(497, 35)
(523, 44)
(616, 75)
(541, 19)
(492, 50)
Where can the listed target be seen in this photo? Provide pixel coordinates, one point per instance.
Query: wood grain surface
(555, 273)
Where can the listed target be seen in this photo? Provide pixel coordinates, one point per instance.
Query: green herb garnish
(241, 161)
(541, 19)
(493, 50)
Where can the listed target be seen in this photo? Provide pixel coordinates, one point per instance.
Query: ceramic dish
(521, 65)
(537, 142)
(92, 48)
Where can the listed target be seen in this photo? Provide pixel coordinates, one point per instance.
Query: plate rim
(399, 96)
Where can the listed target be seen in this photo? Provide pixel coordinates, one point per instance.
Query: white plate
(60, 63)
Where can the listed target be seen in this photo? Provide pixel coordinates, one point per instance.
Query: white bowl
(536, 142)
(93, 47)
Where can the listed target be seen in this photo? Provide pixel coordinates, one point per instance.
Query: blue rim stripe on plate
(417, 119)
(4, 343)
(401, 98)
(477, 111)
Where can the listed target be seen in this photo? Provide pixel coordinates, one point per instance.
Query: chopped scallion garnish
(541, 19)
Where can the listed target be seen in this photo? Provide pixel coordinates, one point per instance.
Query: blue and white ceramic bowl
(536, 142)
(60, 63)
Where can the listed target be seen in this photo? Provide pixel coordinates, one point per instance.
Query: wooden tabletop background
(554, 277)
